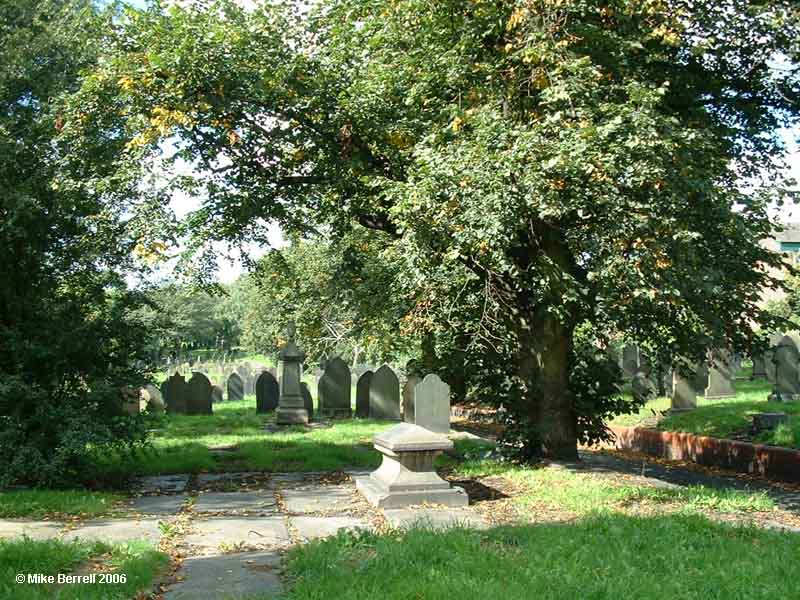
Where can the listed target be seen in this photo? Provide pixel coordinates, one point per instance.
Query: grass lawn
(724, 418)
(186, 443)
(563, 534)
(38, 504)
(138, 562)
(602, 556)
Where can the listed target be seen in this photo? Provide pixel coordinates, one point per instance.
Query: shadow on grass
(602, 556)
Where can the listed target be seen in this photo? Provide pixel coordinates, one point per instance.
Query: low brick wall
(773, 462)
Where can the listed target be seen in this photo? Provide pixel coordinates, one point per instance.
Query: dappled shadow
(660, 475)
(478, 491)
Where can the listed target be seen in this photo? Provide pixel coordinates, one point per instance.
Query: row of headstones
(683, 384)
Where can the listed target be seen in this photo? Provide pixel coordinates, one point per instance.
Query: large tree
(69, 340)
(542, 166)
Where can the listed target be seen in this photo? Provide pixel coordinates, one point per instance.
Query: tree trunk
(544, 357)
(545, 347)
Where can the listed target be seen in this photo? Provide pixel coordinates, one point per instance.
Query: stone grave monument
(362, 395)
(432, 404)
(408, 398)
(333, 389)
(407, 476)
(720, 375)
(267, 393)
(198, 400)
(235, 387)
(684, 393)
(384, 395)
(175, 394)
(292, 408)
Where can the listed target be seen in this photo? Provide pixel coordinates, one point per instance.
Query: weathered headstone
(786, 360)
(362, 395)
(198, 400)
(308, 401)
(769, 356)
(267, 393)
(176, 393)
(684, 394)
(630, 360)
(700, 380)
(408, 398)
(235, 387)
(759, 370)
(432, 404)
(720, 375)
(642, 387)
(384, 395)
(333, 389)
(153, 398)
(216, 394)
(292, 407)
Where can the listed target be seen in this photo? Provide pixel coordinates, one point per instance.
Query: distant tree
(552, 172)
(341, 295)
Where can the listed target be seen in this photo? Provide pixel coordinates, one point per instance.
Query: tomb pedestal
(406, 475)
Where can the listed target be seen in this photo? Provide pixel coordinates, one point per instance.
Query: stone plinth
(406, 475)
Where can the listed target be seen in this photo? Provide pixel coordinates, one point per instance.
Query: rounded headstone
(235, 387)
(267, 392)
(384, 395)
(362, 395)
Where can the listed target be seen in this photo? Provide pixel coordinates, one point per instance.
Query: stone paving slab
(319, 499)
(157, 505)
(262, 502)
(228, 576)
(404, 518)
(163, 484)
(116, 530)
(204, 479)
(36, 530)
(310, 528)
(217, 533)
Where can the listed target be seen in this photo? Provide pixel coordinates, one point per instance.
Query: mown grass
(38, 504)
(138, 561)
(602, 556)
(608, 545)
(722, 418)
(582, 493)
(184, 445)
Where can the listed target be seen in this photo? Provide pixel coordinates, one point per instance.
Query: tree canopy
(549, 173)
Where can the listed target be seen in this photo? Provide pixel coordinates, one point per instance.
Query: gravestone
(700, 379)
(362, 395)
(786, 359)
(292, 403)
(235, 387)
(384, 395)
(642, 387)
(333, 389)
(684, 394)
(769, 356)
(267, 393)
(175, 395)
(759, 370)
(408, 398)
(216, 394)
(249, 381)
(720, 375)
(198, 400)
(630, 360)
(432, 404)
(153, 398)
(308, 401)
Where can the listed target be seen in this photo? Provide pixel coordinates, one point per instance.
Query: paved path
(230, 530)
